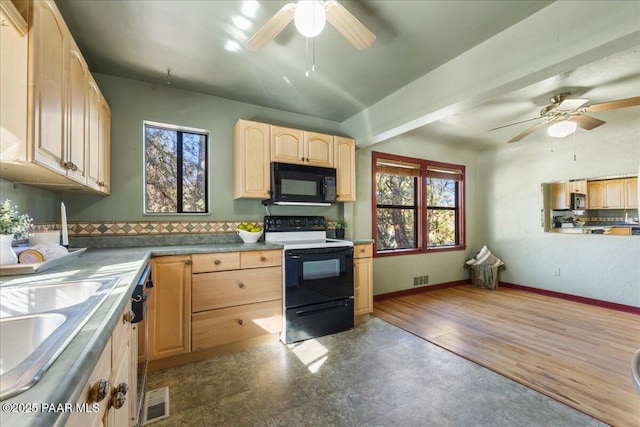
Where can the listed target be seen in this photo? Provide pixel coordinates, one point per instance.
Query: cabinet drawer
(203, 263)
(363, 250)
(226, 325)
(231, 288)
(253, 259)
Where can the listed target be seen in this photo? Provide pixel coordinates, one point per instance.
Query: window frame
(421, 209)
(179, 159)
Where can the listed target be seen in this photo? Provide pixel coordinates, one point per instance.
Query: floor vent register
(156, 405)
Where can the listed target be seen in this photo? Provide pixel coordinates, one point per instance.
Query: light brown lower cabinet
(238, 302)
(169, 307)
(112, 383)
(363, 278)
(226, 325)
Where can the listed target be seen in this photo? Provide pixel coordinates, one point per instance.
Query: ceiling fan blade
(570, 104)
(349, 26)
(527, 132)
(272, 28)
(586, 122)
(516, 123)
(613, 105)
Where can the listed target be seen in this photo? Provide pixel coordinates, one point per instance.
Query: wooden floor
(575, 353)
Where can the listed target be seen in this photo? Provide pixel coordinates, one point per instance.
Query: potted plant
(12, 225)
(340, 225)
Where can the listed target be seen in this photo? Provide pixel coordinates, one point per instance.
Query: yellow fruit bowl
(249, 237)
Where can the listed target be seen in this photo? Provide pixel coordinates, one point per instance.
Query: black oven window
(176, 169)
(321, 269)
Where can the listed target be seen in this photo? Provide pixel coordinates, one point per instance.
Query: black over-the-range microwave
(302, 185)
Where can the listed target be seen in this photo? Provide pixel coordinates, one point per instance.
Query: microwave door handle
(323, 188)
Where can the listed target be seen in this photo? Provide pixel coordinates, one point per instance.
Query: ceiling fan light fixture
(562, 128)
(309, 17)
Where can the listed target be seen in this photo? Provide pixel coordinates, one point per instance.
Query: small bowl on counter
(250, 237)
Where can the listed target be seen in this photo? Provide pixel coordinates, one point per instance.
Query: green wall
(395, 273)
(132, 102)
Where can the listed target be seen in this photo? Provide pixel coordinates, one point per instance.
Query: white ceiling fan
(565, 114)
(310, 17)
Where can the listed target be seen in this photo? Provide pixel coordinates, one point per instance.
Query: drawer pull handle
(241, 285)
(263, 258)
(217, 262)
(99, 391)
(241, 322)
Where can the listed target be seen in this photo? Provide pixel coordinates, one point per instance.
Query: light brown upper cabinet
(300, 147)
(318, 149)
(561, 193)
(287, 145)
(606, 194)
(53, 149)
(345, 164)
(251, 151)
(631, 193)
(256, 145)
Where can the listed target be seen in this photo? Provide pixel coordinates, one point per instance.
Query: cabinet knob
(263, 258)
(117, 400)
(98, 391)
(362, 251)
(128, 316)
(241, 322)
(70, 166)
(241, 285)
(217, 262)
(187, 262)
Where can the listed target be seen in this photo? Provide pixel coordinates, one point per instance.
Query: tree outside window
(176, 169)
(418, 205)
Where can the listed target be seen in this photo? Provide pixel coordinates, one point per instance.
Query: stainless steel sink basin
(37, 322)
(39, 298)
(30, 332)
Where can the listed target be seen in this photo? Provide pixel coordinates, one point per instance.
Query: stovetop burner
(300, 232)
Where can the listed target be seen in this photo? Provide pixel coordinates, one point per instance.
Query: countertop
(63, 381)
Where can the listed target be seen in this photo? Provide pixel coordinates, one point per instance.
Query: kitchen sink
(30, 332)
(38, 298)
(37, 322)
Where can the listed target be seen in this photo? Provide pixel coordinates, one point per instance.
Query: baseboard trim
(421, 289)
(574, 298)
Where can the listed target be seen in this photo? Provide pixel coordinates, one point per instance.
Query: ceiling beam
(556, 39)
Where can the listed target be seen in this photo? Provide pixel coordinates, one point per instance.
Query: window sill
(416, 251)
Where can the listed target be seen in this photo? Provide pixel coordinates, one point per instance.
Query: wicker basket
(476, 279)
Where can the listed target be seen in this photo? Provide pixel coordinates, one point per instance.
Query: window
(176, 169)
(418, 205)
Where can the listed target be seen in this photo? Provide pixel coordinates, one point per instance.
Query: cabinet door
(559, 196)
(345, 164)
(596, 195)
(318, 149)
(93, 134)
(169, 307)
(120, 414)
(251, 160)
(614, 194)
(76, 106)
(13, 91)
(363, 285)
(287, 145)
(631, 193)
(104, 149)
(47, 77)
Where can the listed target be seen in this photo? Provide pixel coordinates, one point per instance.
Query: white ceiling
(143, 39)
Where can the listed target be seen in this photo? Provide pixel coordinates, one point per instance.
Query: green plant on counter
(11, 222)
(340, 223)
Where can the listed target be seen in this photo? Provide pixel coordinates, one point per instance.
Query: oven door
(318, 275)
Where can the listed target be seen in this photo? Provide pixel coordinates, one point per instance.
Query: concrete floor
(373, 375)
